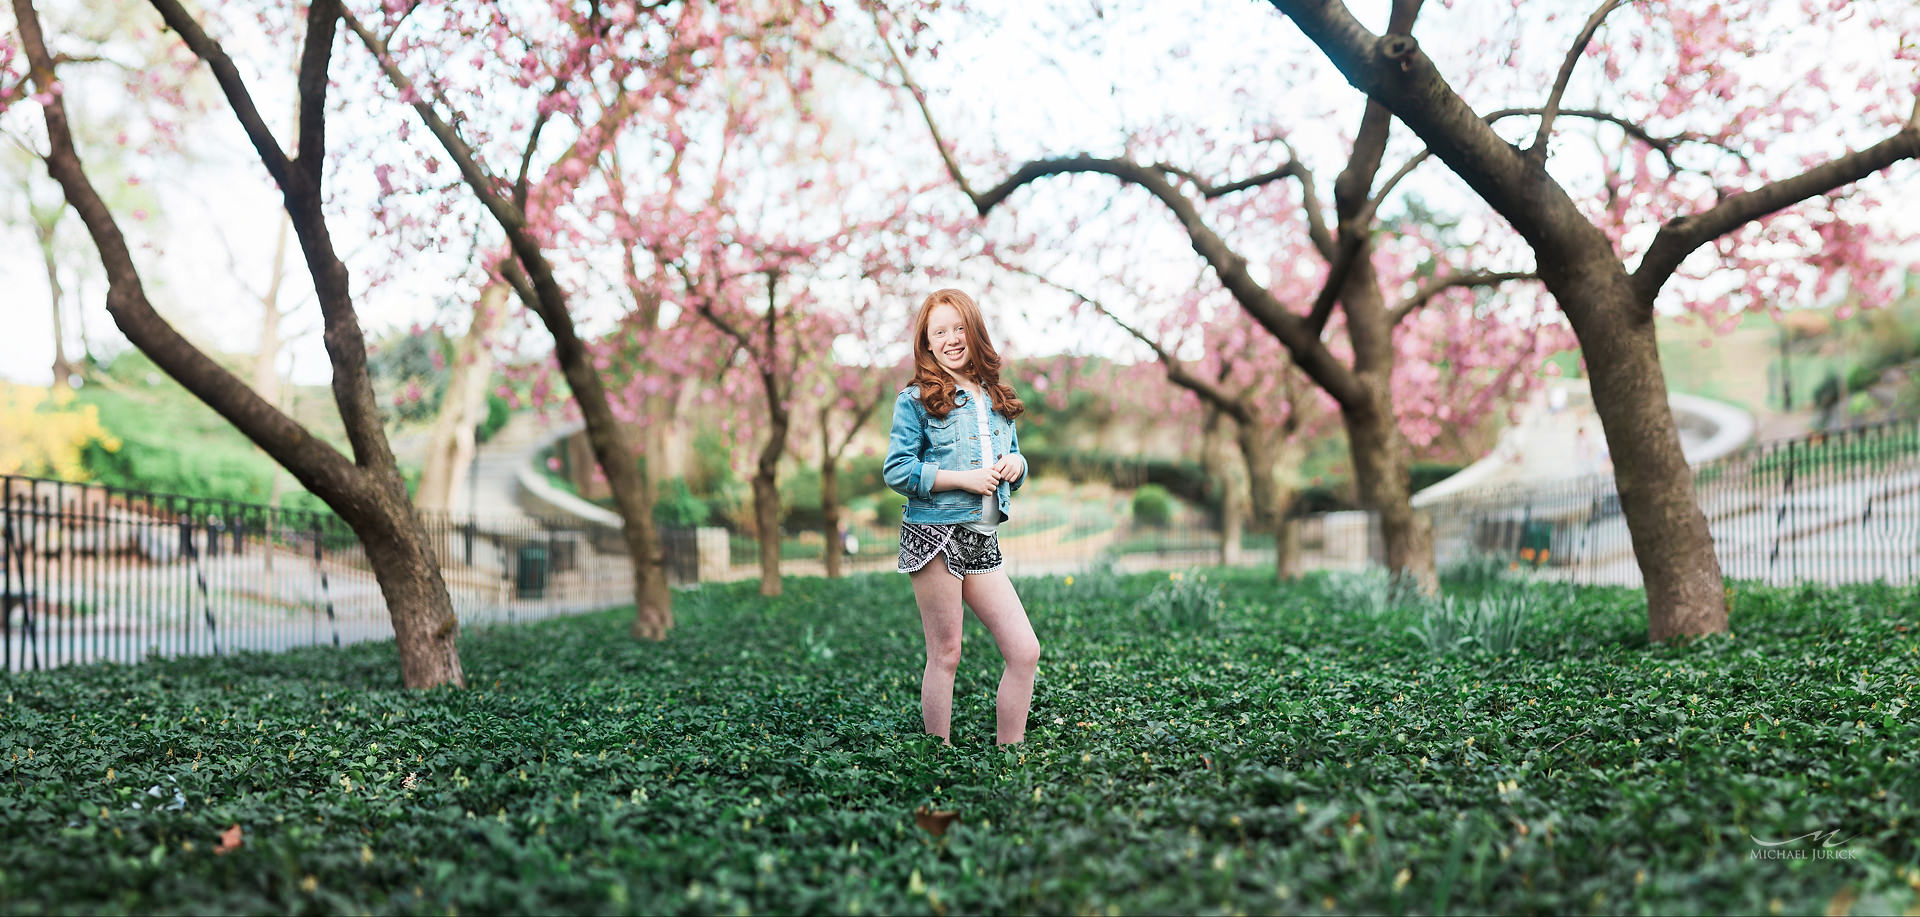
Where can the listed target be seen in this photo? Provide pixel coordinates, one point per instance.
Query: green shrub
(1477, 570)
(769, 757)
(1492, 622)
(1152, 506)
(1183, 602)
(498, 413)
(677, 506)
(889, 511)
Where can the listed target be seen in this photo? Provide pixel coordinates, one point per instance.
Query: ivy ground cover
(1227, 746)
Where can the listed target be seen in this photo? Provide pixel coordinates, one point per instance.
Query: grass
(1233, 746)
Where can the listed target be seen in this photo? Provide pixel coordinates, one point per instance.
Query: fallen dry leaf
(935, 822)
(229, 840)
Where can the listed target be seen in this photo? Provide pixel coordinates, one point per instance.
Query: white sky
(1022, 96)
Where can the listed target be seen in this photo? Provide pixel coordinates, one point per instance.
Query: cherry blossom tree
(1380, 266)
(596, 74)
(366, 489)
(1738, 144)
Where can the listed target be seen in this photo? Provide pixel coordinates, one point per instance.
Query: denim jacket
(922, 445)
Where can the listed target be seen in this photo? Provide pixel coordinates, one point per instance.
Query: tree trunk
(367, 490)
(830, 500)
(1269, 498)
(450, 449)
(1286, 548)
(404, 563)
(1382, 478)
(766, 523)
(1218, 464)
(1671, 541)
(266, 356)
(44, 229)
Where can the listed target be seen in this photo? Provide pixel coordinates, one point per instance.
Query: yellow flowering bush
(42, 432)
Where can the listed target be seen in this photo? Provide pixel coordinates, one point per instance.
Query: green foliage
(677, 506)
(498, 413)
(1370, 592)
(1152, 506)
(1491, 622)
(1478, 570)
(888, 511)
(410, 375)
(1183, 603)
(1291, 757)
(800, 506)
(1186, 479)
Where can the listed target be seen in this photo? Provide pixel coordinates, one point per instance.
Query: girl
(956, 458)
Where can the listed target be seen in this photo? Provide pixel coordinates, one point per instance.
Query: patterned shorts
(966, 551)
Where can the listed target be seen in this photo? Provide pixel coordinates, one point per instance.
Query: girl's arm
(1013, 450)
(903, 470)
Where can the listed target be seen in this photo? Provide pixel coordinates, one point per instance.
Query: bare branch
(1681, 235)
(1238, 407)
(272, 155)
(920, 99)
(1539, 148)
(1438, 285)
(319, 466)
(323, 18)
(1294, 168)
(1395, 179)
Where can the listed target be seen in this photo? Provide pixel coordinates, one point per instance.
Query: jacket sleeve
(1013, 448)
(903, 469)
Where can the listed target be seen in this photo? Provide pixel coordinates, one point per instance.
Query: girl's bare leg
(994, 602)
(937, 591)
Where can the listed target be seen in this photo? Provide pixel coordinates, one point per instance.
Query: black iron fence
(1839, 507)
(91, 573)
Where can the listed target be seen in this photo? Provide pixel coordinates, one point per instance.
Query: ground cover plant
(1205, 743)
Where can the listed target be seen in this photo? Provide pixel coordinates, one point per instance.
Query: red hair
(937, 389)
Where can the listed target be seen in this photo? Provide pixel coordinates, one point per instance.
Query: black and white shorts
(966, 551)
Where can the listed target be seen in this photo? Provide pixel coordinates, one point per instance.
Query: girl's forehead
(942, 315)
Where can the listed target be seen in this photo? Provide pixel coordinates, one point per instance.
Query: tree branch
(1178, 372)
(318, 466)
(228, 76)
(1539, 148)
(1436, 286)
(323, 18)
(920, 99)
(1681, 235)
(1294, 168)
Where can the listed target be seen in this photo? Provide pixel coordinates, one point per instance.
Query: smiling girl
(956, 458)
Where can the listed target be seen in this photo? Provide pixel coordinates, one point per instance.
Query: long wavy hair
(937, 390)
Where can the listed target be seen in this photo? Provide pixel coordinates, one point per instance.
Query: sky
(1025, 94)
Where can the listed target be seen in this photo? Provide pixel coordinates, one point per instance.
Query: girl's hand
(1010, 467)
(980, 481)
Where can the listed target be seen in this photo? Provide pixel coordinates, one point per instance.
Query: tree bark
(766, 498)
(450, 449)
(1218, 465)
(367, 491)
(1671, 542)
(43, 230)
(266, 355)
(830, 498)
(533, 280)
(1381, 477)
(1270, 500)
(404, 564)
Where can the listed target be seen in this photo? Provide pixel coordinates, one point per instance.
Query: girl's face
(947, 337)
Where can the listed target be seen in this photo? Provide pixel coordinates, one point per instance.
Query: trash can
(530, 573)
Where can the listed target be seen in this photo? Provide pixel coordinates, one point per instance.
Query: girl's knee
(944, 658)
(1024, 654)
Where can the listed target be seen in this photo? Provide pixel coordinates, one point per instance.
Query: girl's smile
(947, 338)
